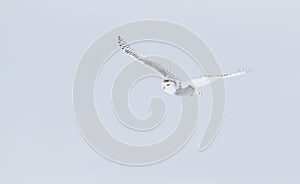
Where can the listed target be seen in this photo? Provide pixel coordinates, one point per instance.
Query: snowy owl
(171, 83)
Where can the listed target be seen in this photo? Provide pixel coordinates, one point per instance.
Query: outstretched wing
(200, 82)
(206, 80)
(164, 71)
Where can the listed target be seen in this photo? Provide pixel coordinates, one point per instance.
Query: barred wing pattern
(164, 71)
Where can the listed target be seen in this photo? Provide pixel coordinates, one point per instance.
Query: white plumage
(206, 80)
(171, 83)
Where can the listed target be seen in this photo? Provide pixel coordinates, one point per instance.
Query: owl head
(169, 86)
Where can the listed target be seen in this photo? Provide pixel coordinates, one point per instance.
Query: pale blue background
(41, 43)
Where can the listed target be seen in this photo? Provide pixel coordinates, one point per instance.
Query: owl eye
(168, 84)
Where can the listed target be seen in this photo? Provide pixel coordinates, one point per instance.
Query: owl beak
(164, 87)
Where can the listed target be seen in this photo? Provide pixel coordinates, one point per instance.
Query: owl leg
(198, 93)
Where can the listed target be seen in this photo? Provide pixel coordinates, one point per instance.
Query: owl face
(169, 86)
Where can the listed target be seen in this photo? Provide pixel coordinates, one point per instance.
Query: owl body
(186, 91)
(176, 88)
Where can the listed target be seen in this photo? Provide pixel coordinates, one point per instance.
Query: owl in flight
(171, 83)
